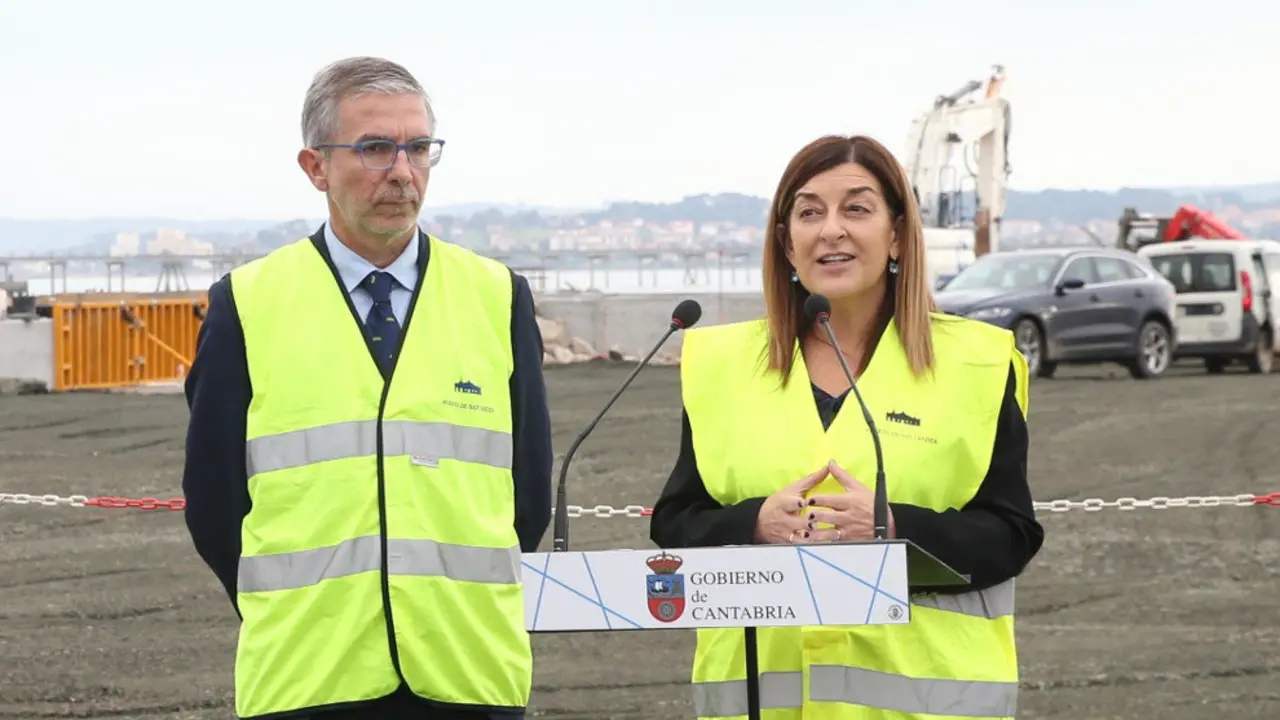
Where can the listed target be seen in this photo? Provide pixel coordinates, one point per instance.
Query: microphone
(818, 308)
(685, 316)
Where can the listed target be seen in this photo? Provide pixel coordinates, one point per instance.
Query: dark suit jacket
(215, 480)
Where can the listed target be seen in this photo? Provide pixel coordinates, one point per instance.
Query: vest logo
(666, 587)
(466, 387)
(899, 418)
(430, 461)
(903, 418)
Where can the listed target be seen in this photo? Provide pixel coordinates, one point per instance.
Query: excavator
(1137, 229)
(957, 162)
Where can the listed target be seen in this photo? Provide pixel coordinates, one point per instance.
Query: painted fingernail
(806, 534)
(810, 517)
(810, 501)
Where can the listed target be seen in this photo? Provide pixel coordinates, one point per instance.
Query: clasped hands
(788, 517)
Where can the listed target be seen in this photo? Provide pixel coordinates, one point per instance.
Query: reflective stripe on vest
(430, 442)
(957, 657)
(858, 686)
(304, 568)
(927, 696)
(728, 698)
(994, 602)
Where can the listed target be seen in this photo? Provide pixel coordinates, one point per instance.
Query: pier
(700, 268)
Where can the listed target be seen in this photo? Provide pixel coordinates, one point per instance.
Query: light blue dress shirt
(353, 269)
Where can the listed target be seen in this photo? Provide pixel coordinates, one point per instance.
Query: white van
(1226, 309)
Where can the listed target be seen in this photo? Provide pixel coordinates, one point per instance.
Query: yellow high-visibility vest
(381, 531)
(957, 656)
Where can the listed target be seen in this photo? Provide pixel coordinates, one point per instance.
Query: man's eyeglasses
(382, 154)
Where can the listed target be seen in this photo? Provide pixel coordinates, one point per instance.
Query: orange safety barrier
(102, 345)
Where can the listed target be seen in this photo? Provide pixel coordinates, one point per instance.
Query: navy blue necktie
(381, 324)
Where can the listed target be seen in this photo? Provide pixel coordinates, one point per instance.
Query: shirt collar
(353, 269)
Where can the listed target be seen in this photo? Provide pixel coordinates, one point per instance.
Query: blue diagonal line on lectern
(542, 587)
(879, 575)
(594, 586)
(546, 576)
(809, 584)
(875, 588)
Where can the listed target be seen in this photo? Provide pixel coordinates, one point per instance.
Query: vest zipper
(424, 258)
(385, 573)
(384, 576)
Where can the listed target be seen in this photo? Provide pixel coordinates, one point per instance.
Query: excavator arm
(960, 148)
(1189, 222)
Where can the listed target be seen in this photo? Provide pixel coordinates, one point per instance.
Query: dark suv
(1071, 305)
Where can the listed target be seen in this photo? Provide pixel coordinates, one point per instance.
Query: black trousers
(376, 711)
(403, 705)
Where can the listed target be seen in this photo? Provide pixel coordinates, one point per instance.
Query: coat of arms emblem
(666, 587)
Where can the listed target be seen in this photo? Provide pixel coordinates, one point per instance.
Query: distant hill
(741, 209)
(1257, 193)
(96, 234)
(1079, 206)
(469, 209)
(36, 236)
(1047, 206)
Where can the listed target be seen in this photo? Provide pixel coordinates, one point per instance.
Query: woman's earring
(795, 276)
(893, 267)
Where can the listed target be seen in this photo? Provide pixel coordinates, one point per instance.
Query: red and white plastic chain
(639, 511)
(148, 503)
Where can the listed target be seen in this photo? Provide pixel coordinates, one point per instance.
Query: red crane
(1187, 222)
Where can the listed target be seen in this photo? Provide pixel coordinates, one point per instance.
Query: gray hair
(349, 78)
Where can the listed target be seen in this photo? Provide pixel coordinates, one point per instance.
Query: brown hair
(784, 300)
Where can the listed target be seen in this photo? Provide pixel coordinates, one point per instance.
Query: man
(369, 447)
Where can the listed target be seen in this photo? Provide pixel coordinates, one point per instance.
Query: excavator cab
(1138, 229)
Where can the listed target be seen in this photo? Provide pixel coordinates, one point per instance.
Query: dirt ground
(1172, 614)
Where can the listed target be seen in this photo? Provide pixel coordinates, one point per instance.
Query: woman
(769, 454)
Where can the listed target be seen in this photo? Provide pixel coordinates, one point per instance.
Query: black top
(991, 539)
(215, 479)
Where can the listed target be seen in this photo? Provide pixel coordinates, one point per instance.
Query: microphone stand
(880, 521)
(753, 673)
(880, 508)
(560, 527)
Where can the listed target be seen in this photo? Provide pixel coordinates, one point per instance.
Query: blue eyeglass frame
(362, 144)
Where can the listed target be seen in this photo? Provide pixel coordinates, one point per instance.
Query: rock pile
(560, 347)
(22, 386)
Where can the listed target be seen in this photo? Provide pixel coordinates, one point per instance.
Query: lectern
(848, 583)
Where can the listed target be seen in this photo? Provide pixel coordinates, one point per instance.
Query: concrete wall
(26, 350)
(633, 323)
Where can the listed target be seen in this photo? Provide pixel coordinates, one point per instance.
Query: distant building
(171, 241)
(127, 244)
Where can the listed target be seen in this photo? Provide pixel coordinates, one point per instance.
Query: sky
(192, 111)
